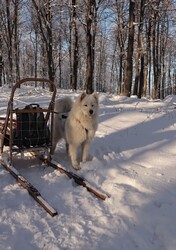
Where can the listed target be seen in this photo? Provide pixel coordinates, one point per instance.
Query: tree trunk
(51, 72)
(0, 60)
(75, 46)
(149, 56)
(45, 24)
(121, 39)
(141, 48)
(9, 44)
(16, 41)
(136, 83)
(145, 74)
(129, 64)
(60, 49)
(36, 55)
(70, 52)
(89, 46)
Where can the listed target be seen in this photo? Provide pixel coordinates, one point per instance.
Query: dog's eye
(92, 105)
(85, 105)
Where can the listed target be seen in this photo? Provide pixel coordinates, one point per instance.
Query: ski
(79, 180)
(28, 186)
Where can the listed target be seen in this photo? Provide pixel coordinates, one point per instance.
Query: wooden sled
(7, 128)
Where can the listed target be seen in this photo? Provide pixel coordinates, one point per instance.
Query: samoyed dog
(77, 125)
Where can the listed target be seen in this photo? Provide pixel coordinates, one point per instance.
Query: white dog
(79, 127)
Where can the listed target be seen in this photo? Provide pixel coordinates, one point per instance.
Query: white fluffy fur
(61, 106)
(80, 126)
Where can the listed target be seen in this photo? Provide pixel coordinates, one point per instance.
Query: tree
(121, 36)
(1, 63)
(89, 46)
(139, 80)
(129, 62)
(16, 40)
(44, 16)
(9, 33)
(74, 31)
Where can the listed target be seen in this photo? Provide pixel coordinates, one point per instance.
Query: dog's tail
(63, 105)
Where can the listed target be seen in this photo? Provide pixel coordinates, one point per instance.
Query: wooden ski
(79, 180)
(28, 186)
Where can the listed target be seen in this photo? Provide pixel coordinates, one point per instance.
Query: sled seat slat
(30, 111)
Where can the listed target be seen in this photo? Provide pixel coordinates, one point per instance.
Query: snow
(132, 162)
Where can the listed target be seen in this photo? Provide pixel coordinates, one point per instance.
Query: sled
(7, 137)
(10, 145)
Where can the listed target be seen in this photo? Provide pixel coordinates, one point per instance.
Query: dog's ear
(82, 96)
(95, 95)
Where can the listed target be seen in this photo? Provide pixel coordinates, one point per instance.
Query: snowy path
(133, 157)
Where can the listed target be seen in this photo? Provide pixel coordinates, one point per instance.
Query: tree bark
(16, 41)
(1, 63)
(75, 47)
(9, 44)
(129, 63)
(89, 46)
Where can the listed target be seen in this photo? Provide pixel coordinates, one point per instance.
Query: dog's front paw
(76, 165)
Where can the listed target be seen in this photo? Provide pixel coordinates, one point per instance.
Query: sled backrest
(10, 110)
(32, 128)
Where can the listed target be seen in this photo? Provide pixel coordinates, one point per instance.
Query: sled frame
(9, 121)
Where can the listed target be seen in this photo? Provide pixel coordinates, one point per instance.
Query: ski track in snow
(132, 161)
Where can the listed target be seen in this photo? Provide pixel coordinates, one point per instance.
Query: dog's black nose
(91, 111)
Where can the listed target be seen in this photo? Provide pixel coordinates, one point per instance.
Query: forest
(124, 47)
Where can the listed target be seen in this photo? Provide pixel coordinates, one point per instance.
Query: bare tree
(44, 16)
(9, 33)
(16, 40)
(1, 62)
(74, 38)
(140, 53)
(89, 46)
(121, 35)
(129, 63)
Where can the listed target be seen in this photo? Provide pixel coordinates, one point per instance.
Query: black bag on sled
(31, 129)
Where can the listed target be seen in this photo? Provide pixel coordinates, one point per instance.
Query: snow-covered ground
(133, 162)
